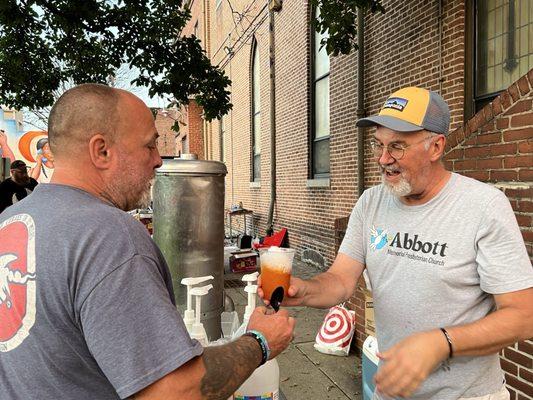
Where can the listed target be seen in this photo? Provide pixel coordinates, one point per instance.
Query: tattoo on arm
(228, 366)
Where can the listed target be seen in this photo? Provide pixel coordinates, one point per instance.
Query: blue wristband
(265, 350)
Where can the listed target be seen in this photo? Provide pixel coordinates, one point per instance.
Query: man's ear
(437, 148)
(100, 151)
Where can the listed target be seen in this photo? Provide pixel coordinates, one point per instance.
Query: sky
(124, 76)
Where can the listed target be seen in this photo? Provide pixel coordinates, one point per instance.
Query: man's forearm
(490, 334)
(228, 366)
(7, 153)
(326, 290)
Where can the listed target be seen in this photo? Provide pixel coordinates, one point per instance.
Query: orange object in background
(273, 277)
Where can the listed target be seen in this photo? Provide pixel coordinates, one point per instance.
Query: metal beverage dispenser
(188, 224)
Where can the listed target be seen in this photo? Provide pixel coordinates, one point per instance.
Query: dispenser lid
(183, 166)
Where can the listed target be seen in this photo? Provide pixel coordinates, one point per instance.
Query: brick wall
(402, 47)
(191, 130)
(192, 126)
(166, 143)
(496, 146)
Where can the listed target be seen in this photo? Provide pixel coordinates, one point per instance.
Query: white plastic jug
(262, 384)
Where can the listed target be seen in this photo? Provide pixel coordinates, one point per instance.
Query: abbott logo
(417, 245)
(378, 238)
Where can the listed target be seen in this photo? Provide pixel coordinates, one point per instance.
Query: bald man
(86, 303)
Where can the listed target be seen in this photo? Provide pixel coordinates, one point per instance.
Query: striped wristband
(265, 350)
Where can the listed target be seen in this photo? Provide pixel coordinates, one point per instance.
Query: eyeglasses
(395, 150)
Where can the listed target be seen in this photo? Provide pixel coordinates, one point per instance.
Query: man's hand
(408, 363)
(296, 293)
(277, 328)
(3, 138)
(6, 151)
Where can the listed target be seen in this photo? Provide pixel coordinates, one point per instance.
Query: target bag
(336, 332)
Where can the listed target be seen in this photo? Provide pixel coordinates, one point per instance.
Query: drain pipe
(360, 102)
(441, 18)
(274, 6)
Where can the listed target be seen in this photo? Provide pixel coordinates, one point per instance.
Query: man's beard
(22, 181)
(131, 199)
(400, 189)
(145, 199)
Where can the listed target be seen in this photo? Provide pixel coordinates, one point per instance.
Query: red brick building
(478, 55)
(166, 143)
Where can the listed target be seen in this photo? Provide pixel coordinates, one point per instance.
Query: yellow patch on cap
(408, 104)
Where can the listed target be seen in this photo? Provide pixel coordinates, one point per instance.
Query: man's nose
(385, 158)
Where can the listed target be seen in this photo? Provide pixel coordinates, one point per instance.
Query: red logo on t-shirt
(17, 280)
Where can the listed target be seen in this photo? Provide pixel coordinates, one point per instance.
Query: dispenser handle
(251, 289)
(196, 280)
(201, 290)
(250, 277)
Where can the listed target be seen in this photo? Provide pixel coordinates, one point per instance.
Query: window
(217, 4)
(503, 46)
(195, 32)
(256, 114)
(319, 104)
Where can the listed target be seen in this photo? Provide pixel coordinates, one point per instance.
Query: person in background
(94, 315)
(451, 279)
(44, 161)
(5, 150)
(17, 186)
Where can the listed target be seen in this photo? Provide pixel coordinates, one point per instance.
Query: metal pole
(272, 49)
(360, 101)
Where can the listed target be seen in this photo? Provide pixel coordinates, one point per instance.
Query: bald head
(80, 113)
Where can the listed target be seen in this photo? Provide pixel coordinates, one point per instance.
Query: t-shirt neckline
(443, 192)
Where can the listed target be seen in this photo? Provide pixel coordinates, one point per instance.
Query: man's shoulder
(373, 193)
(32, 184)
(473, 189)
(7, 183)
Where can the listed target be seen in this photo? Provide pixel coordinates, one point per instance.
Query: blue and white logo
(378, 238)
(396, 103)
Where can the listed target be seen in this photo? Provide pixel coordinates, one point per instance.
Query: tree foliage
(47, 44)
(339, 19)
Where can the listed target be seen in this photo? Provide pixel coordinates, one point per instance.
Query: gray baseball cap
(412, 109)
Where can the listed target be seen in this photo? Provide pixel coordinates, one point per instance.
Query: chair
(276, 239)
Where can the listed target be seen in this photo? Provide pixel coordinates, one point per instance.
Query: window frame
(473, 103)
(313, 140)
(255, 172)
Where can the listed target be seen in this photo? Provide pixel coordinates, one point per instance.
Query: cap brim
(387, 121)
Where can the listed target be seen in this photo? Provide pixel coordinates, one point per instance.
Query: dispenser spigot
(188, 316)
(198, 331)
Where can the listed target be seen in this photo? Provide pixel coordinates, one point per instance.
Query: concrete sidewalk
(304, 372)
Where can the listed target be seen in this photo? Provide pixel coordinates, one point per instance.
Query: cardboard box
(245, 261)
(370, 324)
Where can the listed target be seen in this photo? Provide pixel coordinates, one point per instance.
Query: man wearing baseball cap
(450, 275)
(16, 187)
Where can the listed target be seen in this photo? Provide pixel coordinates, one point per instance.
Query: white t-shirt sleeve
(503, 263)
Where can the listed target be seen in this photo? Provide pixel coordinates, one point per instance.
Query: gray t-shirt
(86, 303)
(436, 265)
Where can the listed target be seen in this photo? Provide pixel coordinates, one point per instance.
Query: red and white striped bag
(336, 332)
